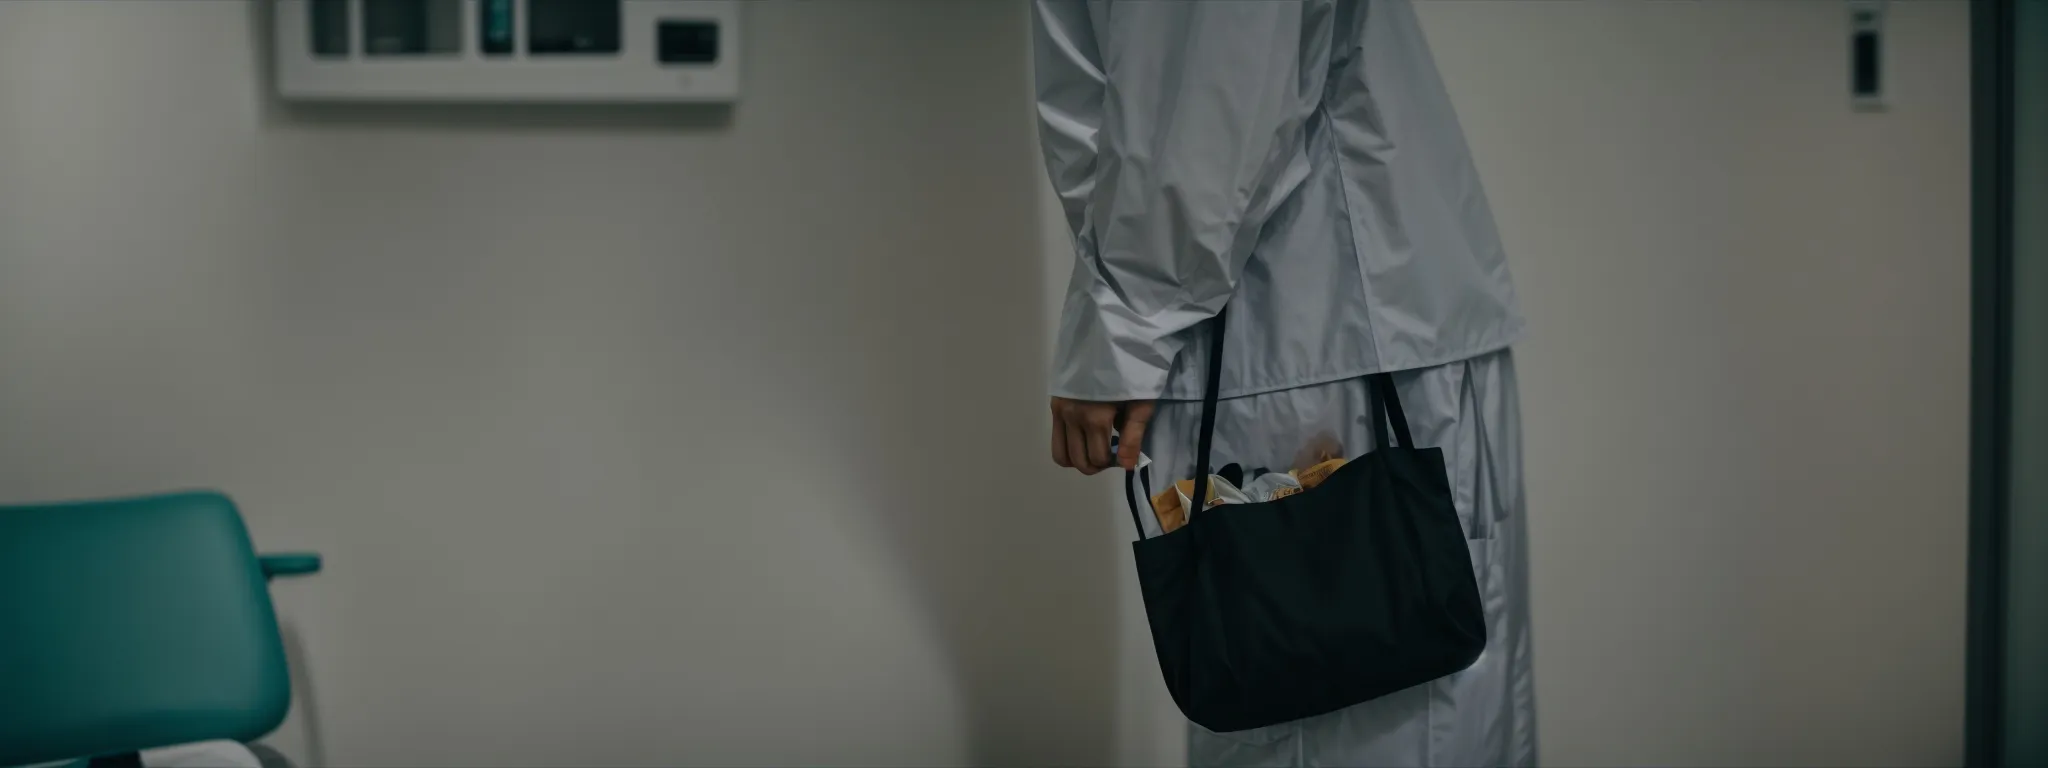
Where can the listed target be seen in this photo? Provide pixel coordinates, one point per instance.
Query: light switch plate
(1866, 55)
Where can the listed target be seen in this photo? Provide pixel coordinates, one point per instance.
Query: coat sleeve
(1168, 128)
(1068, 74)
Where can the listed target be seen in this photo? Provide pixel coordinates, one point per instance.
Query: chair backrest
(130, 624)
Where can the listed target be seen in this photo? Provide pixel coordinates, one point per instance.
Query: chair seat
(133, 623)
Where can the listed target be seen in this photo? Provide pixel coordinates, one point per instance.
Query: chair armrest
(289, 564)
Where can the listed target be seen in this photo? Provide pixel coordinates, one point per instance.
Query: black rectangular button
(495, 27)
(573, 26)
(687, 42)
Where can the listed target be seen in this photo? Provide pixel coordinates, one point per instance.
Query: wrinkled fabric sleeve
(1166, 128)
(1067, 72)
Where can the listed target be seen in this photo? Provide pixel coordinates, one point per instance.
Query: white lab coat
(1299, 161)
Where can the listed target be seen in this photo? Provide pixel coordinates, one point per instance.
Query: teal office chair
(136, 623)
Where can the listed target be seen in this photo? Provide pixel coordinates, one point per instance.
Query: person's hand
(1081, 430)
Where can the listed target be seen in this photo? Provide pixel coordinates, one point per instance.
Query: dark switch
(687, 42)
(573, 26)
(495, 27)
(1863, 67)
(330, 27)
(395, 26)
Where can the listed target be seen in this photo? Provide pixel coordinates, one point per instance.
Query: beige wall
(1747, 393)
(631, 434)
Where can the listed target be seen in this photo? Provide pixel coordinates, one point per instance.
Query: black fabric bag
(1271, 612)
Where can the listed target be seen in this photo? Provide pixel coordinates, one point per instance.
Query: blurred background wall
(661, 436)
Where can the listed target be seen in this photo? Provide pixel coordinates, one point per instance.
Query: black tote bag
(1271, 612)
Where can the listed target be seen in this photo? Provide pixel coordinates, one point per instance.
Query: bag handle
(1382, 398)
(1208, 435)
(1385, 403)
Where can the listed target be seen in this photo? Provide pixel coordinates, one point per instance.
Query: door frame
(1991, 333)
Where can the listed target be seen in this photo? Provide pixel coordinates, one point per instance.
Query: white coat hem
(1512, 337)
(1509, 339)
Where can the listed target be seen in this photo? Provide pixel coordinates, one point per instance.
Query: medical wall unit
(508, 51)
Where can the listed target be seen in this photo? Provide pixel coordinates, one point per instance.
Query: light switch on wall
(1866, 54)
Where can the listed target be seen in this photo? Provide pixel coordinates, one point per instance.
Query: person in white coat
(1299, 162)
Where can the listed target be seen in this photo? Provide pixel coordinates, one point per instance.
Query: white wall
(1746, 396)
(631, 436)
(1747, 393)
(1746, 389)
